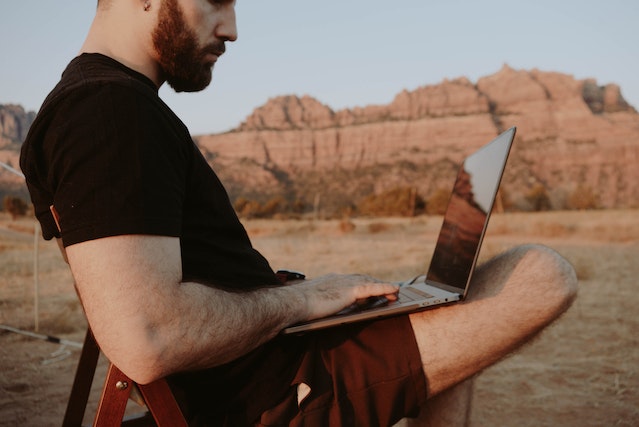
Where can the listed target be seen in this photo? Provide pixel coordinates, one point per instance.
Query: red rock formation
(570, 132)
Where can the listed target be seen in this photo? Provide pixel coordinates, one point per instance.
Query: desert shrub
(504, 201)
(378, 227)
(275, 207)
(346, 225)
(583, 198)
(538, 198)
(437, 202)
(240, 204)
(15, 206)
(402, 201)
(247, 208)
(297, 206)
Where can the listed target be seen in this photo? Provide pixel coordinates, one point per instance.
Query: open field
(582, 371)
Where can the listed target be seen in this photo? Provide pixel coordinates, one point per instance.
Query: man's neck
(124, 34)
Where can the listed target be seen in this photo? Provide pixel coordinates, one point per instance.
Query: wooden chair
(163, 410)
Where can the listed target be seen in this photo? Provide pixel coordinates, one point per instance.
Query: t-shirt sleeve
(116, 166)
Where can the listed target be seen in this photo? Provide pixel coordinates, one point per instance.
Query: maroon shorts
(359, 375)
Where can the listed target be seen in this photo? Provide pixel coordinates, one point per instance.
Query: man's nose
(227, 25)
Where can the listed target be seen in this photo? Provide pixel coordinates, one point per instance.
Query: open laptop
(457, 248)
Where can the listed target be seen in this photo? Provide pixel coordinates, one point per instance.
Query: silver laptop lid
(467, 214)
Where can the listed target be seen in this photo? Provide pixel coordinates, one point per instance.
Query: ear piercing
(147, 5)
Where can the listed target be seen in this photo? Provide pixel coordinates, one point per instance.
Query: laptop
(455, 256)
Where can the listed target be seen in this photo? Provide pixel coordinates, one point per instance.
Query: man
(171, 285)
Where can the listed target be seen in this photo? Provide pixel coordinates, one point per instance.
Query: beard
(180, 56)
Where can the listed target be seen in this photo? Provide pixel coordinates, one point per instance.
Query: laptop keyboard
(407, 294)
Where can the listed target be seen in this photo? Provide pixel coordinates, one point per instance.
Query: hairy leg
(513, 297)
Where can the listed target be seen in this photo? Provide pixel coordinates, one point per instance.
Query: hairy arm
(150, 324)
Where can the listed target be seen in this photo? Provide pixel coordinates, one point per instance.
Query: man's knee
(534, 277)
(547, 272)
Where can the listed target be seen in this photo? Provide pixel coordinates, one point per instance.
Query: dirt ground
(581, 371)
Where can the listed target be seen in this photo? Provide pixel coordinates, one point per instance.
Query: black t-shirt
(113, 159)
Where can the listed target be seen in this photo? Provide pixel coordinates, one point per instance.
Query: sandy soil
(582, 371)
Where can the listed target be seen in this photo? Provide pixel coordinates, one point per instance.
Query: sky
(345, 53)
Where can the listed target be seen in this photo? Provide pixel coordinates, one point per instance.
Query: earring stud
(147, 5)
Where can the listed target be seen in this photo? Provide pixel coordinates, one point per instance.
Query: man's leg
(512, 298)
(450, 408)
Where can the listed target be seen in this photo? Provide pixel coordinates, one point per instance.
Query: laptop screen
(467, 213)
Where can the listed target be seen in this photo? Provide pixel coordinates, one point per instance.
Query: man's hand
(329, 294)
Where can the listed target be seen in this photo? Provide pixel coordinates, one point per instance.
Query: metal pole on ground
(36, 277)
(49, 338)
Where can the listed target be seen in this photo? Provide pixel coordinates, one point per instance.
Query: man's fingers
(329, 294)
(376, 289)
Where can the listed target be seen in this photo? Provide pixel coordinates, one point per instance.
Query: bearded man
(172, 287)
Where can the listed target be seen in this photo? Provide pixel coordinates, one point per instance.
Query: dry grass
(582, 371)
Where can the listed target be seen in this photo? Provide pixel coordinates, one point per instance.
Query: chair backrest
(157, 396)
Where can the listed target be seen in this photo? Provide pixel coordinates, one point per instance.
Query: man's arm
(150, 324)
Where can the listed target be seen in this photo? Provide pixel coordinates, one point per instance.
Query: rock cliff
(14, 125)
(572, 134)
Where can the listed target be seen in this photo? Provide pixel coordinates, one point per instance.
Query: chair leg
(115, 395)
(162, 405)
(157, 396)
(82, 382)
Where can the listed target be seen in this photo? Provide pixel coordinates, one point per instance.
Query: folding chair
(163, 410)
